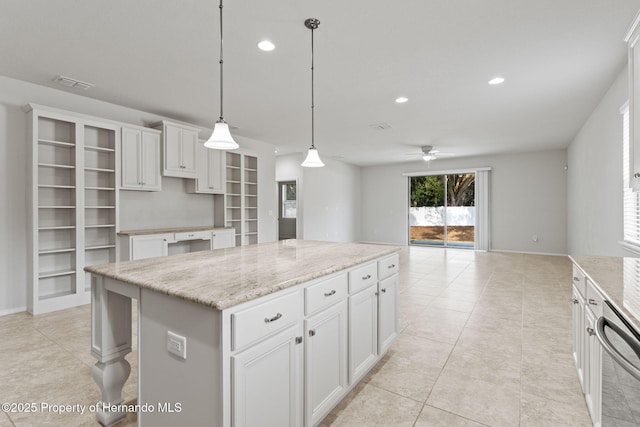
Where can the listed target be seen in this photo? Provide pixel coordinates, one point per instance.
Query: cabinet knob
(636, 175)
(591, 332)
(272, 319)
(391, 266)
(574, 300)
(312, 332)
(592, 301)
(383, 290)
(576, 279)
(367, 277)
(328, 294)
(298, 340)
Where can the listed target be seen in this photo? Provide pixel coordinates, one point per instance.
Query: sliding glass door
(442, 210)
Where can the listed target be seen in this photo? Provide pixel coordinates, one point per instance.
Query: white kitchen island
(273, 334)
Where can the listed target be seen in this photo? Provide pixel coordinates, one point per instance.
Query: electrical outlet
(177, 344)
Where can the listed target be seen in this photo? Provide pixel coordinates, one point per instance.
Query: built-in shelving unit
(74, 198)
(241, 210)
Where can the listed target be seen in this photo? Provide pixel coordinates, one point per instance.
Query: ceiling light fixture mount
(221, 138)
(313, 158)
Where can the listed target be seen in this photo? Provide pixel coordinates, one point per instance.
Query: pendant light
(221, 138)
(313, 159)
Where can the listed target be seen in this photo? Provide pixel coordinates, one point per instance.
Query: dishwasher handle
(609, 348)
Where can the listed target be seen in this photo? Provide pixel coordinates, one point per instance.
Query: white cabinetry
(267, 382)
(587, 351)
(633, 48)
(242, 196)
(140, 159)
(74, 194)
(363, 332)
(140, 244)
(210, 169)
(179, 149)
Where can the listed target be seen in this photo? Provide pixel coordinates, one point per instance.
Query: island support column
(110, 343)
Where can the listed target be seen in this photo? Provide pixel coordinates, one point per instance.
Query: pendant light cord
(312, 97)
(221, 62)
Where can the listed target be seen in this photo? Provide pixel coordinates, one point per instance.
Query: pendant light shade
(221, 138)
(313, 158)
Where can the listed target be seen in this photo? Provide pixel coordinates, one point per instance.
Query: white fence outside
(431, 216)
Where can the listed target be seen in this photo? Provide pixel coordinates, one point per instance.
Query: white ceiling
(161, 56)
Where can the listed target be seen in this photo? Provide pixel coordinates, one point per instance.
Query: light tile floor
(485, 339)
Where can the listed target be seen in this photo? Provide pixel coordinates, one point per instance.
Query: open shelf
(56, 273)
(56, 143)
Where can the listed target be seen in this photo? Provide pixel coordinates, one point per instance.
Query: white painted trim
(383, 243)
(446, 171)
(527, 252)
(14, 310)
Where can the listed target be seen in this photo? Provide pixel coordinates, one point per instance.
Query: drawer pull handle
(391, 266)
(383, 290)
(576, 279)
(367, 277)
(591, 332)
(574, 300)
(328, 294)
(312, 332)
(273, 319)
(592, 301)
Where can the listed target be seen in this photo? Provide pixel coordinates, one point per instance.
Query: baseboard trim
(528, 253)
(15, 310)
(383, 243)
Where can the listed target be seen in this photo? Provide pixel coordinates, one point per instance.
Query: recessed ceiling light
(266, 45)
(401, 99)
(496, 81)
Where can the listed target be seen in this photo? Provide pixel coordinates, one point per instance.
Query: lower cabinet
(267, 382)
(578, 333)
(291, 369)
(136, 245)
(363, 332)
(325, 361)
(593, 368)
(155, 245)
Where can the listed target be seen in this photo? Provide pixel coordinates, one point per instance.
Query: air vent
(69, 82)
(380, 126)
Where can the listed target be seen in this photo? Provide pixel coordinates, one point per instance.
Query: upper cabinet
(140, 159)
(210, 170)
(633, 39)
(179, 149)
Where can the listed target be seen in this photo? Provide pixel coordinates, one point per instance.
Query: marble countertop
(617, 279)
(169, 230)
(224, 278)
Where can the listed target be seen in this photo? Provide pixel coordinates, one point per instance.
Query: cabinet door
(148, 246)
(224, 239)
(363, 332)
(172, 161)
(215, 169)
(325, 361)
(151, 177)
(188, 145)
(593, 368)
(131, 154)
(267, 382)
(578, 322)
(387, 312)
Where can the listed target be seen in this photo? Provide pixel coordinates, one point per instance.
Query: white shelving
(74, 197)
(242, 197)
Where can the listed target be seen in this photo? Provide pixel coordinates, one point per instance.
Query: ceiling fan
(429, 153)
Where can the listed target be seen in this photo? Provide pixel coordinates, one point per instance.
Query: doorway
(442, 210)
(287, 209)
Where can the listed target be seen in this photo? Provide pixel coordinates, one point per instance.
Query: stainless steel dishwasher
(620, 369)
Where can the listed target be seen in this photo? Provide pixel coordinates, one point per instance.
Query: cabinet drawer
(388, 267)
(593, 299)
(362, 277)
(193, 235)
(579, 281)
(262, 320)
(325, 293)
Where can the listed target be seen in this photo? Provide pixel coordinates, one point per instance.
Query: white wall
(594, 183)
(328, 198)
(139, 209)
(527, 197)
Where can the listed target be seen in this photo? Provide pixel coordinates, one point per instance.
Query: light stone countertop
(169, 230)
(224, 278)
(617, 280)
